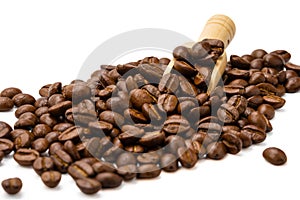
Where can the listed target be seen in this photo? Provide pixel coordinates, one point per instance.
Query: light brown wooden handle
(219, 27)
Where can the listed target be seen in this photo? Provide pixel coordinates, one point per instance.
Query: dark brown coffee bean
(275, 156)
(79, 170)
(24, 140)
(71, 149)
(251, 90)
(187, 157)
(227, 128)
(23, 109)
(40, 111)
(16, 132)
(245, 138)
(12, 185)
(275, 101)
(181, 53)
(22, 99)
(148, 158)
(151, 112)
(185, 68)
(6, 145)
(41, 102)
(128, 172)
(267, 110)
(126, 159)
(27, 121)
(280, 90)
(40, 145)
(238, 62)
(232, 142)
(112, 117)
(26, 157)
(5, 130)
(256, 118)
(257, 134)
(41, 130)
(167, 103)
(122, 69)
(52, 137)
(255, 101)
(239, 102)
(6, 104)
(59, 109)
(169, 83)
(10, 92)
(169, 162)
(227, 113)
(240, 82)
(88, 185)
(234, 89)
(101, 166)
(130, 135)
(257, 63)
(152, 72)
(148, 171)
(61, 160)
(273, 60)
(152, 139)
(293, 84)
(54, 147)
(71, 133)
(109, 179)
(48, 119)
(135, 116)
(51, 178)
(176, 124)
(258, 53)
(216, 150)
(282, 53)
(238, 74)
(42, 164)
(80, 92)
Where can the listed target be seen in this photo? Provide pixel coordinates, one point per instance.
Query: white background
(47, 41)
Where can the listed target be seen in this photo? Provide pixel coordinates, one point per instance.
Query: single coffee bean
(148, 158)
(283, 54)
(239, 102)
(257, 134)
(139, 96)
(255, 101)
(232, 142)
(185, 68)
(6, 104)
(234, 90)
(238, 62)
(169, 83)
(61, 160)
(6, 146)
(54, 147)
(176, 124)
(258, 53)
(275, 101)
(71, 149)
(148, 171)
(59, 109)
(40, 111)
(112, 117)
(227, 113)
(293, 84)
(152, 139)
(41, 130)
(23, 141)
(128, 172)
(5, 130)
(135, 116)
(167, 103)
(240, 82)
(256, 118)
(26, 157)
(181, 53)
(79, 170)
(126, 159)
(12, 185)
(275, 156)
(267, 89)
(43, 164)
(187, 157)
(245, 138)
(101, 166)
(22, 99)
(216, 150)
(88, 185)
(71, 133)
(169, 162)
(23, 109)
(51, 178)
(40, 145)
(41, 102)
(109, 179)
(10, 92)
(27, 121)
(267, 110)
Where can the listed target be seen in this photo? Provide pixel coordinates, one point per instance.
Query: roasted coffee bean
(40, 111)
(41, 102)
(12, 185)
(275, 156)
(169, 83)
(239, 102)
(54, 147)
(61, 160)
(258, 53)
(135, 116)
(275, 101)
(273, 60)
(101, 166)
(6, 145)
(257, 134)
(40, 145)
(283, 54)
(200, 50)
(79, 170)
(88, 185)
(256, 78)
(293, 84)
(41, 130)
(232, 142)
(60, 108)
(5, 130)
(267, 110)
(238, 62)
(147, 171)
(151, 112)
(176, 124)
(240, 82)
(216, 150)
(152, 139)
(281, 90)
(245, 138)
(48, 119)
(167, 103)
(71, 133)
(169, 162)
(267, 89)
(131, 134)
(181, 53)
(152, 72)
(184, 68)
(10, 92)
(71, 149)
(187, 157)
(80, 92)
(255, 101)
(257, 63)
(234, 90)
(128, 172)
(112, 117)
(148, 158)
(23, 140)
(26, 157)
(61, 127)
(51, 178)
(126, 159)
(6, 104)
(109, 179)
(22, 99)
(27, 121)
(16, 132)
(173, 143)
(227, 113)
(23, 109)
(42, 164)
(256, 118)
(164, 61)
(251, 90)
(238, 73)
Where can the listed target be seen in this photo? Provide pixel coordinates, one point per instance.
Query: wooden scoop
(217, 27)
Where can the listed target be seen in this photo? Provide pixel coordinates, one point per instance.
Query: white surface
(42, 43)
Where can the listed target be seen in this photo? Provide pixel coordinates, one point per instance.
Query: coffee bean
(275, 101)
(10, 92)
(245, 138)
(216, 150)
(27, 121)
(109, 179)
(256, 118)
(266, 110)
(22, 99)
(169, 162)
(23, 140)
(101, 166)
(238, 62)
(185, 68)
(6, 104)
(54, 147)
(239, 102)
(25, 157)
(169, 83)
(42, 164)
(12, 185)
(232, 142)
(71, 149)
(71, 133)
(274, 156)
(112, 117)
(152, 139)
(80, 170)
(273, 60)
(293, 84)
(148, 171)
(61, 160)
(126, 159)
(23, 109)
(257, 134)
(51, 178)
(176, 124)
(135, 116)
(40, 145)
(5, 130)
(187, 157)
(167, 103)
(6, 146)
(227, 113)
(257, 63)
(48, 119)
(173, 143)
(88, 185)
(255, 101)
(59, 109)
(181, 53)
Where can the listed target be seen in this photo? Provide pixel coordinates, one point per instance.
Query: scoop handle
(219, 27)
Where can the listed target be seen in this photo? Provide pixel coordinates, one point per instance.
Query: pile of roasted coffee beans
(129, 121)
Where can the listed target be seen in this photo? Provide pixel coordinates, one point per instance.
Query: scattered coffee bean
(88, 185)
(51, 178)
(274, 156)
(12, 185)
